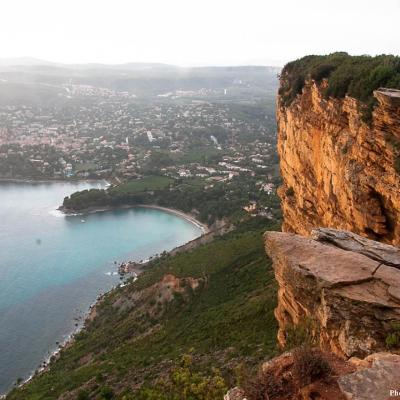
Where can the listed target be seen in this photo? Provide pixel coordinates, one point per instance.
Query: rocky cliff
(339, 301)
(337, 170)
(338, 289)
(344, 287)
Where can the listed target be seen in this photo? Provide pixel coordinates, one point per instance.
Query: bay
(52, 266)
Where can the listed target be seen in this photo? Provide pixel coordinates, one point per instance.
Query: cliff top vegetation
(355, 76)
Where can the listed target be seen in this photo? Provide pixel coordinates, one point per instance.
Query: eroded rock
(352, 299)
(337, 170)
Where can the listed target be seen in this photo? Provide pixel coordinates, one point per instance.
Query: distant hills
(18, 62)
(141, 79)
(25, 61)
(32, 61)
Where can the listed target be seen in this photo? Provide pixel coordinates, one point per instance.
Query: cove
(52, 266)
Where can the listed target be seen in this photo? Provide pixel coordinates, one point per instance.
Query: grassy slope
(228, 321)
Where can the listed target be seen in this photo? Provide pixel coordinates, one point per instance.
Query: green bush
(185, 383)
(356, 76)
(322, 71)
(83, 395)
(106, 393)
(393, 338)
(304, 333)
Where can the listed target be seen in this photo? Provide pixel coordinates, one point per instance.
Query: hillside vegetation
(192, 323)
(356, 76)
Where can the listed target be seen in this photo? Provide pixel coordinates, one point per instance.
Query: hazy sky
(196, 32)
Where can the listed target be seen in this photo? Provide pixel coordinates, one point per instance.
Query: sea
(53, 266)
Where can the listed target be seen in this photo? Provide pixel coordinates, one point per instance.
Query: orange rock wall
(337, 171)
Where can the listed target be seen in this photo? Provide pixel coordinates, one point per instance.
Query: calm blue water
(53, 267)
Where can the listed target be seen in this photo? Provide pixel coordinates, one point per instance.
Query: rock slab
(342, 285)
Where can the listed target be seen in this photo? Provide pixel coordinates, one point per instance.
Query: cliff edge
(347, 288)
(339, 314)
(339, 171)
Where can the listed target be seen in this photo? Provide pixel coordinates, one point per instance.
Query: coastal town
(117, 137)
(190, 138)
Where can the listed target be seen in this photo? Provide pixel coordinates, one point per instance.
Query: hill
(140, 79)
(133, 345)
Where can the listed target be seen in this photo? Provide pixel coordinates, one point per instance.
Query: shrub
(100, 378)
(366, 112)
(185, 383)
(268, 386)
(322, 71)
(393, 338)
(106, 393)
(83, 395)
(289, 192)
(242, 374)
(304, 333)
(309, 364)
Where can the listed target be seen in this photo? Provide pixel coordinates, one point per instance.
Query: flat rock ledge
(346, 285)
(379, 381)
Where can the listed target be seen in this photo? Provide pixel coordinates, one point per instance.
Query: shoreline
(188, 217)
(90, 312)
(69, 340)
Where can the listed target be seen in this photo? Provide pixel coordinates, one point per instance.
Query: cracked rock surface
(347, 285)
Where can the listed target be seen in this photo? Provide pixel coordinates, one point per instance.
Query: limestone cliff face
(346, 285)
(338, 171)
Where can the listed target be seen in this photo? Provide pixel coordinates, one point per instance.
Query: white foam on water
(111, 273)
(57, 213)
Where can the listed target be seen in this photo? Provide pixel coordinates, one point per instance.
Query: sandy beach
(204, 228)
